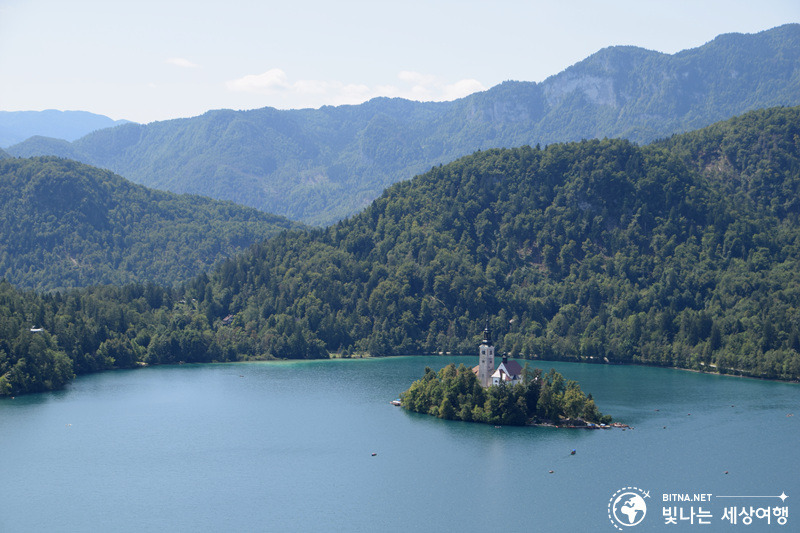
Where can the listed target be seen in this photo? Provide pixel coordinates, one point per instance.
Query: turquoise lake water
(289, 447)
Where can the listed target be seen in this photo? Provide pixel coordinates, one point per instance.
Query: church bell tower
(486, 361)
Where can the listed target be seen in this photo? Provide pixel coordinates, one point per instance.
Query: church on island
(509, 372)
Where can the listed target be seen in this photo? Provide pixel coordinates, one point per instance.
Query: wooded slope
(64, 224)
(682, 253)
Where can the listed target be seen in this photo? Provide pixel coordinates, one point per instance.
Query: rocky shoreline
(578, 424)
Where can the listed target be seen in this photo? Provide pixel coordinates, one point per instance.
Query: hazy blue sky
(149, 60)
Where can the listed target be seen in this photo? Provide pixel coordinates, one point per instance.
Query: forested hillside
(64, 224)
(322, 165)
(682, 253)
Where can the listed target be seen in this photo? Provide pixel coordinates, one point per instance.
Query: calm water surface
(288, 447)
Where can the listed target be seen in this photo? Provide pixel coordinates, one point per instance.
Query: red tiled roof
(513, 368)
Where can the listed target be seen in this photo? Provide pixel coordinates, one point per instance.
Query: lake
(288, 446)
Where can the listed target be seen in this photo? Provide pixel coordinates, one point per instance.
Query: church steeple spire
(487, 334)
(486, 358)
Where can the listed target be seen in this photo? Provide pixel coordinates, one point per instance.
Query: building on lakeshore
(485, 367)
(509, 372)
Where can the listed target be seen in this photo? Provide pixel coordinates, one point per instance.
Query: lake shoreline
(366, 356)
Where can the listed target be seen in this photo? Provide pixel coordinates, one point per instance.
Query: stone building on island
(509, 372)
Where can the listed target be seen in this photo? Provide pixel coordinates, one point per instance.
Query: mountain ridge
(17, 126)
(323, 165)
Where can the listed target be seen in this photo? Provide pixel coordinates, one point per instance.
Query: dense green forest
(681, 253)
(64, 224)
(455, 394)
(321, 165)
(82, 331)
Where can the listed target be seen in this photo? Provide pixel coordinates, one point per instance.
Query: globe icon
(629, 508)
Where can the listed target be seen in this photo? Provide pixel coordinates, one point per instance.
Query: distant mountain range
(16, 126)
(64, 224)
(319, 166)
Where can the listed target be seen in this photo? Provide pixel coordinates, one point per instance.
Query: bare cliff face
(604, 78)
(598, 90)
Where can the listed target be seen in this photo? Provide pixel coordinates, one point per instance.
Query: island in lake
(507, 395)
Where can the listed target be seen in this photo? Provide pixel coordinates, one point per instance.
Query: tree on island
(455, 394)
